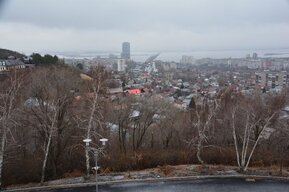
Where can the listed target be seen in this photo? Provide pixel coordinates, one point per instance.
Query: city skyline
(150, 26)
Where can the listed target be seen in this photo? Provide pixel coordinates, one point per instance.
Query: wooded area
(46, 113)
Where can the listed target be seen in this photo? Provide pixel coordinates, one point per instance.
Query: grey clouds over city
(150, 25)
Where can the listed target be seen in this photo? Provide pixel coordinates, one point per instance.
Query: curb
(149, 180)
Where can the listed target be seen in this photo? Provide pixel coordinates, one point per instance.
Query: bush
(144, 159)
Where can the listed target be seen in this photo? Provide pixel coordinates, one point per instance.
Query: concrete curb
(149, 180)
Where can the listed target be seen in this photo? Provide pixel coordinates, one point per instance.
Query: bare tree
(8, 95)
(201, 116)
(278, 141)
(120, 115)
(170, 123)
(94, 88)
(142, 121)
(251, 117)
(50, 97)
(51, 130)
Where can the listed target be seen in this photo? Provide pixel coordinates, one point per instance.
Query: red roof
(134, 91)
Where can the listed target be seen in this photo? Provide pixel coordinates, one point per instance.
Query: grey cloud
(148, 24)
(2, 4)
(148, 14)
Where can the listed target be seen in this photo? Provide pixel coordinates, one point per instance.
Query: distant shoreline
(269, 54)
(141, 56)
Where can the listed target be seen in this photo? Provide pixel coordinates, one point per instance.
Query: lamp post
(96, 152)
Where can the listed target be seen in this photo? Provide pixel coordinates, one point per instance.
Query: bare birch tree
(243, 151)
(201, 117)
(94, 89)
(251, 117)
(8, 94)
(50, 95)
(51, 130)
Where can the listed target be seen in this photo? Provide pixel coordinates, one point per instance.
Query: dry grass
(74, 173)
(167, 170)
(144, 159)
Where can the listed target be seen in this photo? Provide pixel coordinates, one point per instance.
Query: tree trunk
(242, 169)
(119, 136)
(48, 147)
(96, 179)
(133, 138)
(199, 146)
(46, 155)
(257, 141)
(235, 138)
(53, 164)
(93, 109)
(87, 161)
(124, 141)
(3, 140)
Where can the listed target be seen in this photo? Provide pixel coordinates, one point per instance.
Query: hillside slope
(5, 53)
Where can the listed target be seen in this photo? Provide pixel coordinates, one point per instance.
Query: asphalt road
(207, 185)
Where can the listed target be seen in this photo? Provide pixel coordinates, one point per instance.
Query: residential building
(272, 79)
(187, 60)
(11, 64)
(121, 65)
(125, 54)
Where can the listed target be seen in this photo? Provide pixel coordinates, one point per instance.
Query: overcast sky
(150, 25)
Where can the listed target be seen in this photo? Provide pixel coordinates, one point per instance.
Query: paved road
(207, 185)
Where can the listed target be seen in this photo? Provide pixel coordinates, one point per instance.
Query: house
(114, 93)
(117, 91)
(3, 66)
(11, 64)
(134, 91)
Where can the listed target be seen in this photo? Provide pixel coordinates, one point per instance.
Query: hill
(5, 53)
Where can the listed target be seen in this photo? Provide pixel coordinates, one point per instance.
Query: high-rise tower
(125, 54)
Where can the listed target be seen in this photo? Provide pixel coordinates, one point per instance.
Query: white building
(188, 60)
(154, 67)
(11, 64)
(3, 66)
(121, 66)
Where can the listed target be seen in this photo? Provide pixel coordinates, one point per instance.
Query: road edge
(148, 180)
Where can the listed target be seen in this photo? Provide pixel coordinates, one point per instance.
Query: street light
(96, 151)
(86, 141)
(103, 141)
